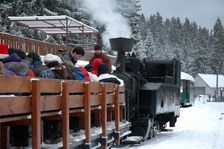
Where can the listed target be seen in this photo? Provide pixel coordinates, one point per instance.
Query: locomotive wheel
(143, 127)
(140, 131)
(140, 127)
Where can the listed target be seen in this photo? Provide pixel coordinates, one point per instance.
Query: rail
(30, 45)
(42, 48)
(29, 100)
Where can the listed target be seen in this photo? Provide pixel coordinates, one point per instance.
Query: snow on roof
(186, 76)
(55, 24)
(210, 79)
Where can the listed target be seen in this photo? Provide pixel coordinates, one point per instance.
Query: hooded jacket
(105, 59)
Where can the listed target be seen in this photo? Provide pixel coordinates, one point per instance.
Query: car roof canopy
(52, 25)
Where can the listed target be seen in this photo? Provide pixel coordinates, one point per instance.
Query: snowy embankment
(199, 126)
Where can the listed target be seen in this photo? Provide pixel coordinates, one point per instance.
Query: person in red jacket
(98, 53)
(95, 64)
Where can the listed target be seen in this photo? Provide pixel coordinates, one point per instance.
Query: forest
(200, 50)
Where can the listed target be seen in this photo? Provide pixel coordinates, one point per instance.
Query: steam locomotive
(152, 89)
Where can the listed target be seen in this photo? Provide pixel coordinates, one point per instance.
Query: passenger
(72, 56)
(38, 68)
(80, 73)
(95, 65)
(93, 77)
(85, 72)
(89, 67)
(13, 65)
(104, 75)
(98, 53)
(60, 71)
(20, 53)
(24, 60)
(18, 64)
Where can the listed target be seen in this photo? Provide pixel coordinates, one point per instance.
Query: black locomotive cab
(159, 97)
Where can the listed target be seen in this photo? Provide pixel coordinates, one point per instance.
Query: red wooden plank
(65, 115)
(87, 115)
(117, 114)
(104, 114)
(15, 105)
(36, 115)
(14, 84)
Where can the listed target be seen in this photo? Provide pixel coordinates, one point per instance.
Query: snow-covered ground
(198, 127)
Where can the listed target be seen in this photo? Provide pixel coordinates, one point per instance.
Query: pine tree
(217, 57)
(135, 25)
(150, 45)
(201, 54)
(156, 25)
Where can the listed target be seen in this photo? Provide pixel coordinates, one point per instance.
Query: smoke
(106, 13)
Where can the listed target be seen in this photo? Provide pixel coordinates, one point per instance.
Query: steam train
(152, 90)
(152, 98)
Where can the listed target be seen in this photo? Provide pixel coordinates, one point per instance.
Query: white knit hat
(51, 58)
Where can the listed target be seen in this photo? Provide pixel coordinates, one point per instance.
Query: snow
(49, 12)
(201, 99)
(186, 76)
(80, 135)
(199, 126)
(43, 23)
(210, 79)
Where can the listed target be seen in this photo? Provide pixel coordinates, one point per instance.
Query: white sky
(203, 12)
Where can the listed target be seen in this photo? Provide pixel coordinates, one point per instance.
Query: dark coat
(67, 56)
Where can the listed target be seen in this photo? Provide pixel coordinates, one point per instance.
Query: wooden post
(117, 116)
(104, 116)
(36, 114)
(87, 115)
(65, 114)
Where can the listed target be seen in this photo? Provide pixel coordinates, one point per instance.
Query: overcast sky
(203, 12)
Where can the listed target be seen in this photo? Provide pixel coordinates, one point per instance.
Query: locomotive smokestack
(121, 45)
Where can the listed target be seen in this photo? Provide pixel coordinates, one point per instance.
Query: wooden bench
(33, 99)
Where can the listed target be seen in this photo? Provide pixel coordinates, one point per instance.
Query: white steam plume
(106, 13)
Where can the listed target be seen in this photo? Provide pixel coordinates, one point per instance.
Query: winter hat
(97, 47)
(35, 57)
(51, 57)
(12, 58)
(103, 68)
(52, 64)
(3, 51)
(20, 53)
